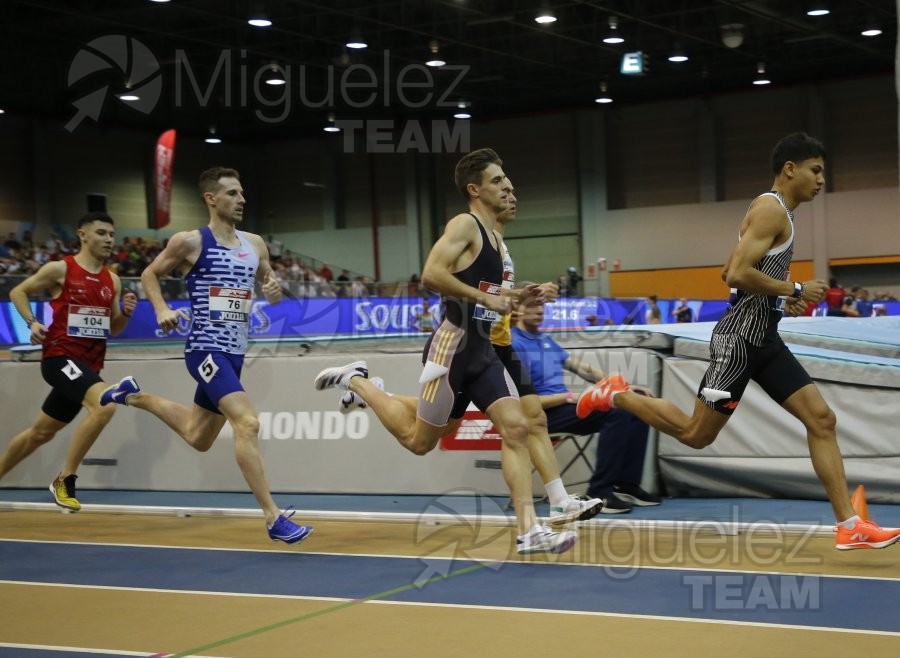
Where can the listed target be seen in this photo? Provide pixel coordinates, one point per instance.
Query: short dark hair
(796, 147)
(470, 167)
(209, 179)
(92, 217)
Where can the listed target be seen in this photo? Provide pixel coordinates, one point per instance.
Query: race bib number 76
(229, 304)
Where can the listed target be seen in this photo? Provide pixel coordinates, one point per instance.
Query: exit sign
(633, 63)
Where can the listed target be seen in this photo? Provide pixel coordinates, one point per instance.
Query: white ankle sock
(556, 492)
(849, 523)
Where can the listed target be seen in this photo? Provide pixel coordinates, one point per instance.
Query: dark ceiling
(61, 62)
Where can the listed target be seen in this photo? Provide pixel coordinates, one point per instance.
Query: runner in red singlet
(86, 311)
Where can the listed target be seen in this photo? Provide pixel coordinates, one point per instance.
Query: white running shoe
(350, 401)
(541, 539)
(341, 376)
(576, 508)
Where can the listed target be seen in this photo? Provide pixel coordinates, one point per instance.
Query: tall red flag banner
(162, 176)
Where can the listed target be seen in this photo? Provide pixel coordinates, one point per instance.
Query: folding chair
(581, 442)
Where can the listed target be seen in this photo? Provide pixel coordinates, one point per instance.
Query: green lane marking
(334, 608)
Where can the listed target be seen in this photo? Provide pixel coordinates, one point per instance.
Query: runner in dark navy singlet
(465, 267)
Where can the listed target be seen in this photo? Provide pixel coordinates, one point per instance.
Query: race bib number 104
(89, 321)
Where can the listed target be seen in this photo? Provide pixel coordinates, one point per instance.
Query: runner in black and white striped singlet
(745, 341)
(755, 317)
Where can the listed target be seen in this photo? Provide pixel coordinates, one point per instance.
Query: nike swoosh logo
(241, 255)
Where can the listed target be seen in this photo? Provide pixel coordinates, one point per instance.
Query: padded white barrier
(762, 451)
(307, 444)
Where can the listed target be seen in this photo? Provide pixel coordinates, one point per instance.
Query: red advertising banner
(162, 177)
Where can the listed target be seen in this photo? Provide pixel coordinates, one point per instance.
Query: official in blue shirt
(623, 437)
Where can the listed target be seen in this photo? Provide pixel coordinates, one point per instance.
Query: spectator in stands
(55, 246)
(41, 257)
(414, 288)
(276, 248)
(848, 305)
(879, 310)
(425, 320)
(569, 282)
(342, 284)
(622, 444)
(652, 315)
(862, 304)
(359, 288)
(834, 298)
(12, 243)
(326, 273)
(683, 312)
(282, 276)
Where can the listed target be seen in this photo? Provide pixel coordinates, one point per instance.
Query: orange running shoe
(865, 534)
(599, 396)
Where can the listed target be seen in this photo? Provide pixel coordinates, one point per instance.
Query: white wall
(662, 159)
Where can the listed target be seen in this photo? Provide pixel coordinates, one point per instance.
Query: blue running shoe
(287, 531)
(120, 393)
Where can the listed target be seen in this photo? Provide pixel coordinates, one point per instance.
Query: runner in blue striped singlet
(223, 266)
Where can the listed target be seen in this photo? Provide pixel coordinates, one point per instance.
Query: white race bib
(89, 321)
(229, 304)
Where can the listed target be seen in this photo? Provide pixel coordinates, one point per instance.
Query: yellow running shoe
(63, 490)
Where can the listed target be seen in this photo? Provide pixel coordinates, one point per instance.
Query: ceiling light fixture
(818, 10)
(678, 55)
(463, 112)
(330, 127)
(259, 18)
(604, 97)
(356, 42)
(275, 76)
(613, 36)
(733, 34)
(871, 31)
(128, 95)
(434, 60)
(761, 77)
(211, 138)
(545, 16)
